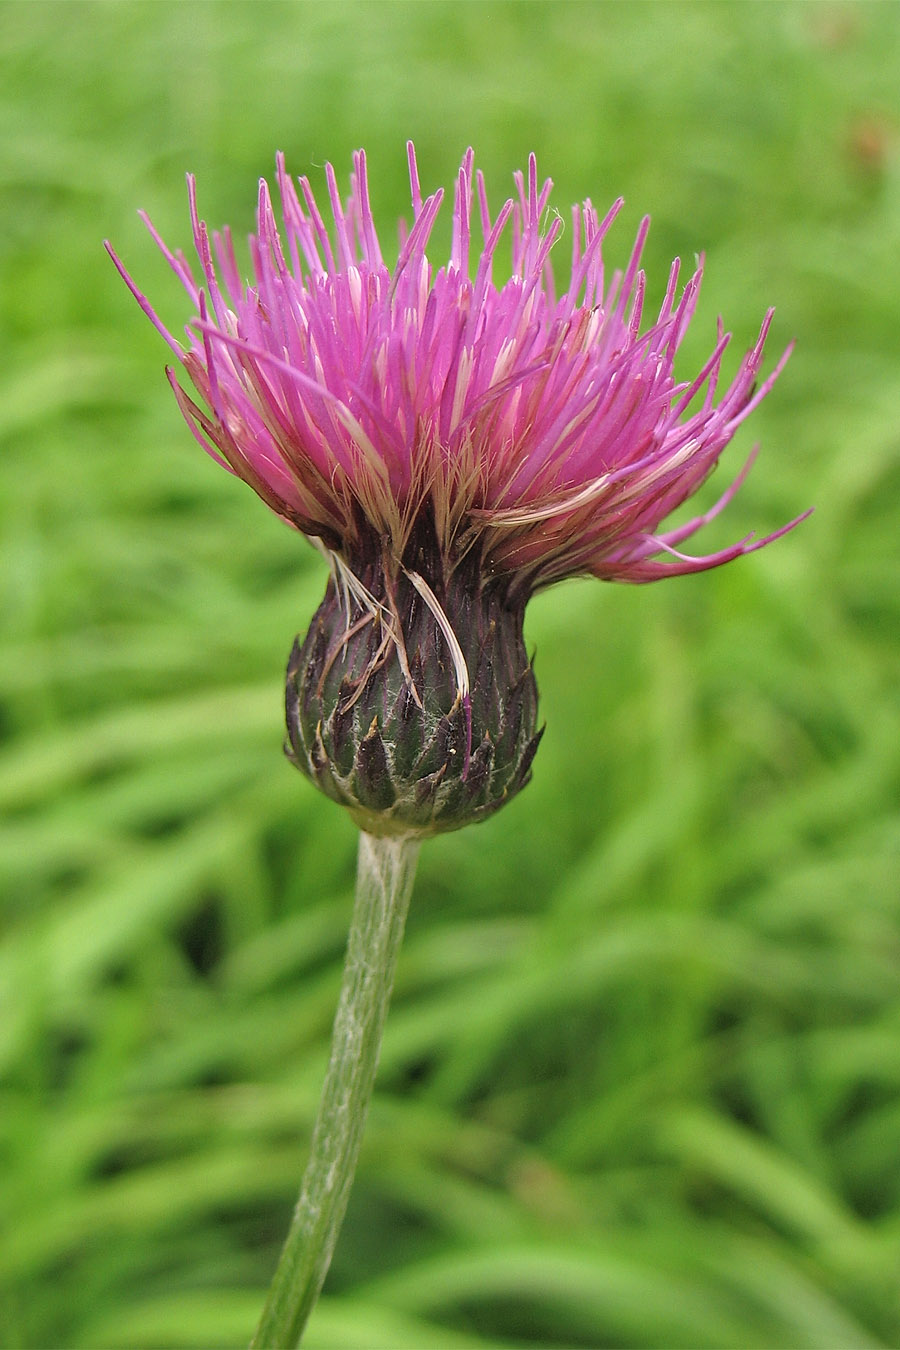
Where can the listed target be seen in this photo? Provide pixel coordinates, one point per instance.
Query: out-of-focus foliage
(641, 1082)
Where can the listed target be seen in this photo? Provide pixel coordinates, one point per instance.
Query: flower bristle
(550, 426)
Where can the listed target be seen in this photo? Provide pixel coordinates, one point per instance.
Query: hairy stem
(385, 875)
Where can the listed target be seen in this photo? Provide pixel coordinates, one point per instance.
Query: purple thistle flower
(454, 444)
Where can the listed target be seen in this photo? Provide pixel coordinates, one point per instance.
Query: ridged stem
(386, 869)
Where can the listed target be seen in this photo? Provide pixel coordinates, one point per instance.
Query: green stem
(386, 869)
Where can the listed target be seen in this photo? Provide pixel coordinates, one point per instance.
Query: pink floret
(549, 430)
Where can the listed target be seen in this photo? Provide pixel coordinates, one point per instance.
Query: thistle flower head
(454, 442)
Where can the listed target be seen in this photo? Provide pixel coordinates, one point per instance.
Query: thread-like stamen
(460, 669)
(389, 619)
(351, 585)
(339, 647)
(396, 630)
(377, 660)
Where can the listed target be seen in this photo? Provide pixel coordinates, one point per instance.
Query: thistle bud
(411, 700)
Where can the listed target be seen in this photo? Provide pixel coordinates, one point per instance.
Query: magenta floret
(549, 429)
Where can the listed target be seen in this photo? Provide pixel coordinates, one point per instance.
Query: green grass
(641, 1082)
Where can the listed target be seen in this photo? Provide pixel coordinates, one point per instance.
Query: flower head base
(453, 444)
(415, 723)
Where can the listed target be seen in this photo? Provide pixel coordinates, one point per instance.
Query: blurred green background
(641, 1081)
